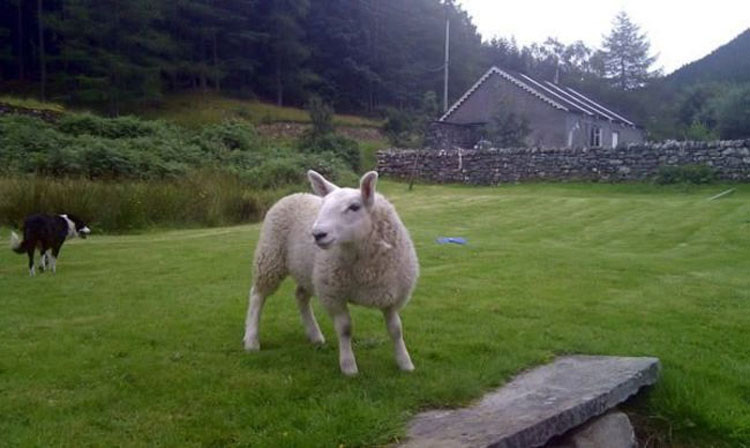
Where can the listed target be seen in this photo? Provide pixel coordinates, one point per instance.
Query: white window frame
(596, 137)
(615, 139)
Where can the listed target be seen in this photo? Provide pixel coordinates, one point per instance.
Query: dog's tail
(16, 245)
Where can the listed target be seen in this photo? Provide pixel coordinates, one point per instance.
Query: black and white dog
(47, 233)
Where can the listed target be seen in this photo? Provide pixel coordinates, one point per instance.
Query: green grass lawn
(137, 339)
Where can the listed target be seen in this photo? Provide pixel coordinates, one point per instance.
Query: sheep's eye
(354, 207)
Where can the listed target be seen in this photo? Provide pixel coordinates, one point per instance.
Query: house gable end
(506, 76)
(558, 97)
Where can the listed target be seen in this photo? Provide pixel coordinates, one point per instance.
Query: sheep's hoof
(407, 368)
(405, 365)
(349, 369)
(251, 345)
(317, 340)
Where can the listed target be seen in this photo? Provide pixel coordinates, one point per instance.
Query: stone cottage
(558, 116)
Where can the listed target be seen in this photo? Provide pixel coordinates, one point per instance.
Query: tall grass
(201, 198)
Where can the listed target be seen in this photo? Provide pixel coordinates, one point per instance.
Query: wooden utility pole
(447, 60)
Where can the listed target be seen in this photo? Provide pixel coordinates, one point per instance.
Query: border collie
(47, 233)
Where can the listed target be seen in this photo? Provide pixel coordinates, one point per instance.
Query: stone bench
(537, 405)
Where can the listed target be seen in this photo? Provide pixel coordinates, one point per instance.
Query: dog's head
(79, 228)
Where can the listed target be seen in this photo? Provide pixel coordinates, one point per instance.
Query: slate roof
(563, 98)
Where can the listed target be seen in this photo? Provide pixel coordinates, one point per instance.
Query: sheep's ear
(367, 187)
(320, 185)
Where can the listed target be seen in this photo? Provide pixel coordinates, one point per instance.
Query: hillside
(728, 63)
(197, 109)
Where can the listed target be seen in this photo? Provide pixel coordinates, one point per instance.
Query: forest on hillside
(361, 56)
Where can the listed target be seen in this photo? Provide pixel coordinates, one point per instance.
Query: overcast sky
(679, 31)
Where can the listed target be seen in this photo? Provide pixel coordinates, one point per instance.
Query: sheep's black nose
(319, 235)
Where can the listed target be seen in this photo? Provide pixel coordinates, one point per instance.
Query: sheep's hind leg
(308, 317)
(393, 323)
(342, 321)
(252, 321)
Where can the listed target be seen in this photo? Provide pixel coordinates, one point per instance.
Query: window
(596, 137)
(615, 139)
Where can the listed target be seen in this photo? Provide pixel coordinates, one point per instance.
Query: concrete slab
(537, 405)
(611, 430)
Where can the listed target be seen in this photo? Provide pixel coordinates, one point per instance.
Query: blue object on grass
(451, 239)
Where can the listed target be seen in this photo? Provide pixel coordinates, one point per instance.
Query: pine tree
(625, 54)
(111, 53)
(285, 46)
(734, 114)
(6, 53)
(42, 52)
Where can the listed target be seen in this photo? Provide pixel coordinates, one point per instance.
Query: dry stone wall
(730, 160)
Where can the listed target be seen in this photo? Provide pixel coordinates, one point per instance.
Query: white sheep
(343, 245)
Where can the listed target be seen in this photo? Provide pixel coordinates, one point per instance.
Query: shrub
(339, 146)
(689, 174)
(698, 131)
(25, 142)
(408, 128)
(290, 168)
(399, 126)
(120, 127)
(277, 172)
(332, 167)
(734, 114)
(321, 115)
(227, 136)
(95, 147)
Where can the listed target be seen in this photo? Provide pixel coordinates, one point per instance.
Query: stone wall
(730, 159)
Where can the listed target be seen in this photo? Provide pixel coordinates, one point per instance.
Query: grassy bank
(137, 339)
(126, 173)
(198, 109)
(30, 103)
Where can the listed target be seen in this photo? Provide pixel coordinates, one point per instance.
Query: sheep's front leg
(342, 321)
(393, 323)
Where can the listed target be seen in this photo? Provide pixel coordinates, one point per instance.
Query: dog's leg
(53, 259)
(44, 260)
(32, 271)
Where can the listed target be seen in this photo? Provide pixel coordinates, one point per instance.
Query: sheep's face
(344, 215)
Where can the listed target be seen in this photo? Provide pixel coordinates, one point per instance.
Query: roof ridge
(567, 95)
(595, 104)
(468, 93)
(532, 91)
(571, 98)
(495, 70)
